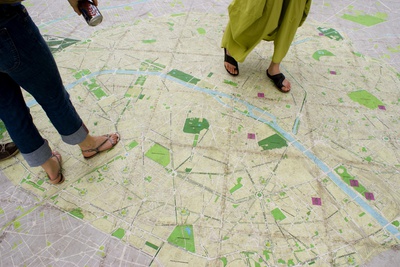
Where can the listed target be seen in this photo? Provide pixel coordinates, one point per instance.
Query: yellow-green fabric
(251, 21)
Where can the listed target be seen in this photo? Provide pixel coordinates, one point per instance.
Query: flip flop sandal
(231, 61)
(60, 177)
(278, 81)
(97, 149)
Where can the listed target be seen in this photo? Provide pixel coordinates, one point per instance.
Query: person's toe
(232, 69)
(286, 85)
(114, 138)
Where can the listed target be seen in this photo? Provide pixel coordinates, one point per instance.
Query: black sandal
(231, 61)
(278, 81)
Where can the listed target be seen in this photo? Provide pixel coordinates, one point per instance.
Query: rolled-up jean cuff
(77, 137)
(39, 156)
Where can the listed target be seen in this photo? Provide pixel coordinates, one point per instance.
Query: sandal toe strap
(96, 149)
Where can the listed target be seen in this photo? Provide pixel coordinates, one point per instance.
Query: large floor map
(214, 170)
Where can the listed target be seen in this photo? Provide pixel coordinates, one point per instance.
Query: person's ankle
(274, 67)
(52, 167)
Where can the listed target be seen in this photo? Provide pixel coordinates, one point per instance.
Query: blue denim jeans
(26, 61)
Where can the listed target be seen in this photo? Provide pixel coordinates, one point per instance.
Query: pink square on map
(316, 201)
(321, 34)
(369, 196)
(333, 72)
(261, 95)
(251, 136)
(354, 183)
(382, 107)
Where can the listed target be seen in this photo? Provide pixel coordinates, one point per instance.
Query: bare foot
(93, 145)
(53, 168)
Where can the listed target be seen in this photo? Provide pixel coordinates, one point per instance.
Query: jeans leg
(26, 61)
(18, 121)
(38, 74)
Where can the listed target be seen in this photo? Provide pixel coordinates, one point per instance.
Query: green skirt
(251, 21)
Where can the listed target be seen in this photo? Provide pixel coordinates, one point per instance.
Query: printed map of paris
(214, 170)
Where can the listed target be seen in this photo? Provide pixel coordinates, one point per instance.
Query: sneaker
(8, 150)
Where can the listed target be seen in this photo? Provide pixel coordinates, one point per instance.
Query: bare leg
(274, 69)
